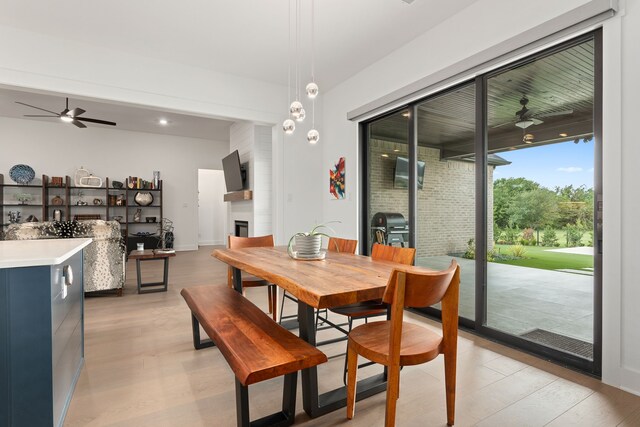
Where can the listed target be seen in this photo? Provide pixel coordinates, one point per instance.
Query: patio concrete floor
(521, 299)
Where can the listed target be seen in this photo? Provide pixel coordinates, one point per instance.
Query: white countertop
(29, 253)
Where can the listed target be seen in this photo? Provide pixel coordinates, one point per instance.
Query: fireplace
(241, 228)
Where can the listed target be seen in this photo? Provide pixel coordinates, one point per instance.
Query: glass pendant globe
(313, 136)
(295, 108)
(302, 115)
(288, 126)
(312, 90)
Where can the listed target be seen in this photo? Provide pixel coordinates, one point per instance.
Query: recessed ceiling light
(396, 150)
(385, 155)
(405, 114)
(564, 135)
(163, 122)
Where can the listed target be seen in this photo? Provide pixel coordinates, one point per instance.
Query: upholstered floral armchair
(104, 258)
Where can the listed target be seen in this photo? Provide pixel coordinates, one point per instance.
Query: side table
(151, 255)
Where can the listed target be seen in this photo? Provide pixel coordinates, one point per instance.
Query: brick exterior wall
(446, 203)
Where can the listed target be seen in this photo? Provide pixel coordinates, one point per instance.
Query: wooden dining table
(339, 279)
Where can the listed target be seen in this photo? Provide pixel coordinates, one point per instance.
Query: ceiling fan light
(66, 119)
(523, 124)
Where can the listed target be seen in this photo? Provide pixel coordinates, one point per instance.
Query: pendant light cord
(289, 62)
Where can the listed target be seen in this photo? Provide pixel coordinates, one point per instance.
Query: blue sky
(551, 165)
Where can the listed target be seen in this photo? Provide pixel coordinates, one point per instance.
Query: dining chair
(372, 308)
(335, 244)
(395, 343)
(249, 281)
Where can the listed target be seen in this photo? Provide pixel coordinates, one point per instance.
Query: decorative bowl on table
(22, 174)
(143, 198)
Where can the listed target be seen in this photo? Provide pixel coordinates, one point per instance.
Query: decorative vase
(137, 215)
(143, 198)
(308, 245)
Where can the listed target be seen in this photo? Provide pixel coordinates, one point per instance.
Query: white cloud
(570, 169)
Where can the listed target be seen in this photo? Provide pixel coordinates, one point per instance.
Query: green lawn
(538, 257)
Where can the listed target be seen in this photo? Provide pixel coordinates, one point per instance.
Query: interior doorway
(212, 211)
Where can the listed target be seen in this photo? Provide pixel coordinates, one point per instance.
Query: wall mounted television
(233, 172)
(401, 177)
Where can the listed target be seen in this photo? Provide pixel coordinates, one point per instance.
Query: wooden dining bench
(255, 347)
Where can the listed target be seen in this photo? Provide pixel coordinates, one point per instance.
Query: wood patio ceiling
(555, 83)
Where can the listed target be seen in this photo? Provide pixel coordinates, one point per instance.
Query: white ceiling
(127, 117)
(247, 38)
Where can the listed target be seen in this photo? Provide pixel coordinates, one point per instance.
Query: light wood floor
(141, 370)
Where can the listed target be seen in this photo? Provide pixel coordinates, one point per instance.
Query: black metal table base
(157, 288)
(316, 404)
(198, 343)
(279, 419)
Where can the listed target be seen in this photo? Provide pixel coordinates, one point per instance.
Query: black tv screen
(401, 178)
(232, 172)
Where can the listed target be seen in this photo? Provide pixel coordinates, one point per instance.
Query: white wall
(212, 211)
(482, 25)
(56, 149)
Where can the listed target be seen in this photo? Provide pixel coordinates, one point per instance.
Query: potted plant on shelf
(308, 243)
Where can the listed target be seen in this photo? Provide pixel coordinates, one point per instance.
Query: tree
(535, 209)
(575, 206)
(505, 190)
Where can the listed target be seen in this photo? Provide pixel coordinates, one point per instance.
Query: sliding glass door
(505, 177)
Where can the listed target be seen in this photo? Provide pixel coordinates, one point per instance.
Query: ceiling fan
(524, 116)
(68, 116)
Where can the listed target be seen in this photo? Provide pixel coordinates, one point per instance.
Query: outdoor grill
(388, 228)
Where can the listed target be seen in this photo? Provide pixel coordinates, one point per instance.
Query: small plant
(528, 239)
(517, 251)
(315, 233)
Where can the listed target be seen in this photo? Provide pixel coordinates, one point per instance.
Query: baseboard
(211, 243)
(186, 248)
(630, 381)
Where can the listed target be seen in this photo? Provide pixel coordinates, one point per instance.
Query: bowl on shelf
(22, 174)
(150, 218)
(118, 218)
(143, 198)
(117, 184)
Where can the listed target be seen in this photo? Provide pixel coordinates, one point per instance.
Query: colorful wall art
(337, 189)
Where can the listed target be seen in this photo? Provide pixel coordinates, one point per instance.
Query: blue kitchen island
(41, 329)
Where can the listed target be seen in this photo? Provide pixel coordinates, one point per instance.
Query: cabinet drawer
(60, 307)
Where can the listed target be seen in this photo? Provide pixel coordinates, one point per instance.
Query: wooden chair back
(235, 242)
(422, 289)
(393, 253)
(336, 244)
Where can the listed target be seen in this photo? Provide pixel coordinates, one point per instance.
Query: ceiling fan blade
(64, 112)
(79, 124)
(77, 111)
(557, 113)
(38, 115)
(536, 121)
(37, 108)
(101, 122)
(510, 122)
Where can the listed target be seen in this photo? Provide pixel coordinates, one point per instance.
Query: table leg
(316, 404)
(237, 280)
(166, 274)
(139, 274)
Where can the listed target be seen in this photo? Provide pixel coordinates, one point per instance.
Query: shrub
(470, 253)
(510, 235)
(574, 235)
(517, 251)
(549, 237)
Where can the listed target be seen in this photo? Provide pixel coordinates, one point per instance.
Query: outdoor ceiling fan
(524, 116)
(68, 116)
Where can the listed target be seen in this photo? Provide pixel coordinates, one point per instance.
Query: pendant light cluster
(297, 112)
